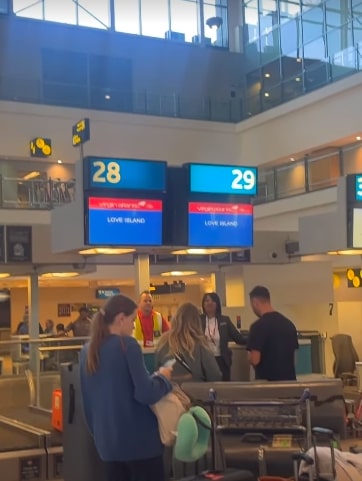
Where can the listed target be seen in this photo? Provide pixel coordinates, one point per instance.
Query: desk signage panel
(18, 243)
(124, 222)
(124, 174)
(358, 187)
(222, 179)
(220, 225)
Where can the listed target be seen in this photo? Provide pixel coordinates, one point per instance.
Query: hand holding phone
(170, 363)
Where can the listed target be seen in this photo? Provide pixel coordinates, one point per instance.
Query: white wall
(304, 124)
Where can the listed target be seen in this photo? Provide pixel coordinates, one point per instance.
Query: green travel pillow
(193, 435)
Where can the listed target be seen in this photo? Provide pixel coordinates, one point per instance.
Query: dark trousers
(141, 470)
(224, 368)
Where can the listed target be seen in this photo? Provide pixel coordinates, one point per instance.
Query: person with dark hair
(117, 392)
(273, 340)
(186, 338)
(81, 326)
(149, 324)
(219, 331)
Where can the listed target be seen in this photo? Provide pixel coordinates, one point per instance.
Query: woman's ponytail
(99, 332)
(100, 326)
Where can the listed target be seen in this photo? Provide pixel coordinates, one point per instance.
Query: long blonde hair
(186, 331)
(100, 326)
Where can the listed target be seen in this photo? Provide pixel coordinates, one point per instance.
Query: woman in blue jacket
(117, 391)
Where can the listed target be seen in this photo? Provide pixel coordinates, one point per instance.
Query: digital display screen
(223, 179)
(220, 224)
(109, 173)
(124, 222)
(357, 228)
(358, 187)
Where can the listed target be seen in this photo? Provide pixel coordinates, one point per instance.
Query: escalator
(30, 449)
(23, 454)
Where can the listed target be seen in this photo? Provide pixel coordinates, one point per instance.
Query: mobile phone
(170, 363)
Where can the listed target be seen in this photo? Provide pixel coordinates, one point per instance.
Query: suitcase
(80, 459)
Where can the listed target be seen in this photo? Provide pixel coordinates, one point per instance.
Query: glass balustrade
(39, 194)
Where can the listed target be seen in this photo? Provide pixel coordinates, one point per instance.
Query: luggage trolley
(280, 422)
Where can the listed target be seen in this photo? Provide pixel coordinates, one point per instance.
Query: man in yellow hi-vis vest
(149, 324)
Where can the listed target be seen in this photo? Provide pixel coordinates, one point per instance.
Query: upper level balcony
(36, 189)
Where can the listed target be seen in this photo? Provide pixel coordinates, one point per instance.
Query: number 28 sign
(124, 174)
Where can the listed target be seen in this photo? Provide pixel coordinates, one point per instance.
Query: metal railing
(38, 194)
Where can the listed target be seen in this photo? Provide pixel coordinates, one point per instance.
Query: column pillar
(220, 286)
(33, 306)
(142, 273)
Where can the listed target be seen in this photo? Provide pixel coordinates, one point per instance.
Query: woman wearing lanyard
(219, 331)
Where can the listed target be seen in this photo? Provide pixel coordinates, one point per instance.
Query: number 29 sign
(223, 179)
(124, 174)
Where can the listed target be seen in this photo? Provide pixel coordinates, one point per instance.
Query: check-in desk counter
(317, 349)
(242, 371)
(149, 357)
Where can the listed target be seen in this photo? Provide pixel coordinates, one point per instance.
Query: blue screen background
(101, 232)
(202, 235)
(217, 179)
(135, 174)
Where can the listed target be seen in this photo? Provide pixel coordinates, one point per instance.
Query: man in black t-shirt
(273, 340)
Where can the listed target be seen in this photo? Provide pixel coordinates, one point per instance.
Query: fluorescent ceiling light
(348, 252)
(104, 251)
(59, 275)
(199, 251)
(31, 175)
(3, 275)
(178, 273)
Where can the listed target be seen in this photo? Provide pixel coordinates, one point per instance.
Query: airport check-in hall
(154, 214)
(180, 240)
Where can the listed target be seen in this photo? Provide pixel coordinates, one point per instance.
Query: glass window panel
(252, 54)
(292, 66)
(271, 97)
(271, 74)
(127, 16)
(184, 18)
(64, 12)
(290, 180)
(265, 186)
(323, 172)
(291, 35)
(26, 8)
(308, 4)
(93, 14)
(315, 50)
(251, 19)
(357, 31)
(288, 10)
(218, 35)
(312, 22)
(267, 6)
(316, 75)
(337, 13)
(4, 6)
(268, 21)
(154, 18)
(338, 40)
(357, 7)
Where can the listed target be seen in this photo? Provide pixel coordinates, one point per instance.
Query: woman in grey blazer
(186, 340)
(219, 331)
